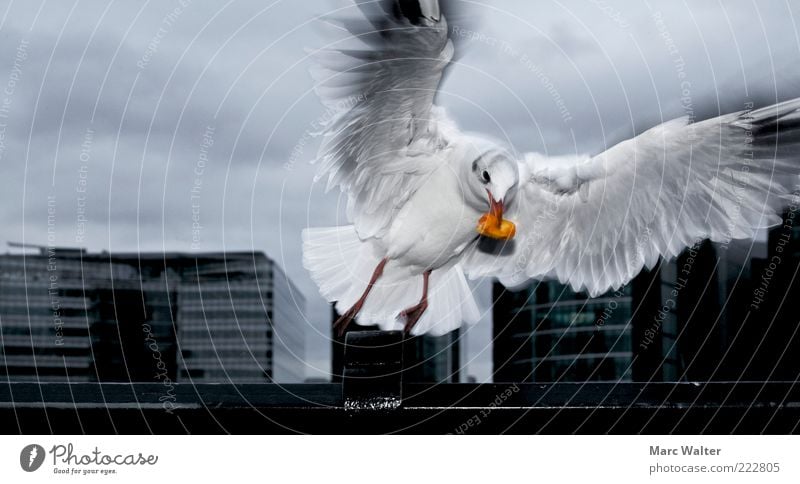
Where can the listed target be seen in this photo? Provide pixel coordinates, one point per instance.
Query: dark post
(373, 369)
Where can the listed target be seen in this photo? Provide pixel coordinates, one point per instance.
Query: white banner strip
(399, 459)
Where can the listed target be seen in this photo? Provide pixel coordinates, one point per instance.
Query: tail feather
(341, 265)
(329, 254)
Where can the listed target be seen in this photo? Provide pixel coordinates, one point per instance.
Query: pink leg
(413, 313)
(345, 319)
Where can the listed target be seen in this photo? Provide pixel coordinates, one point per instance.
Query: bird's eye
(486, 177)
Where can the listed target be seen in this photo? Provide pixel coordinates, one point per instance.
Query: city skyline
(70, 314)
(199, 136)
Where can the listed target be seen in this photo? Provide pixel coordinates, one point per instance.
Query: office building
(45, 315)
(768, 342)
(547, 332)
(714, 341)
(68, 314)
(690, 319)
(240, 319)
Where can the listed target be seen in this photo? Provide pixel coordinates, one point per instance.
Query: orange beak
(492, 225)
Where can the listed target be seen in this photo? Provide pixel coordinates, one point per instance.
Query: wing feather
(380, 83)
(611, 215)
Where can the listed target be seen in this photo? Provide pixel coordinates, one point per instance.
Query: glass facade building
(426, 358)
(705, 316)
(547, 332)
(71, 315)
(44, 319)
(240, 320)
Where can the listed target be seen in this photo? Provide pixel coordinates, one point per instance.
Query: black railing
(374, 399)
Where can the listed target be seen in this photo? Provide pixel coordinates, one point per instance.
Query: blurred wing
(595, 224)
(381, 128)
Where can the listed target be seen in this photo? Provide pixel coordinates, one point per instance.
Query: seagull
(429, 205)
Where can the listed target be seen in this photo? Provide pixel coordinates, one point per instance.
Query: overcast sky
(121, 103)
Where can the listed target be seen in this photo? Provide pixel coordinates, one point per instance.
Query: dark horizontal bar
(718, 407)
(415, 395)
(604, 395)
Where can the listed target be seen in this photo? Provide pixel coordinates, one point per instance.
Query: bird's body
(430, 204)
(439, 205)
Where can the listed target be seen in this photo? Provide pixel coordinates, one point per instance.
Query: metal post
(373, 369)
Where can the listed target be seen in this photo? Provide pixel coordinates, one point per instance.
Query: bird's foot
(345, 319)
(412, 315)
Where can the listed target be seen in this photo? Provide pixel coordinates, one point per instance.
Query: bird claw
(412, 315)
(345, 319)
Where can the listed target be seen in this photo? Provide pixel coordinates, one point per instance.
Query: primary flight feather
(430, 205)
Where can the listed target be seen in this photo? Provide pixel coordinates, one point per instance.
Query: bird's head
(494, 178)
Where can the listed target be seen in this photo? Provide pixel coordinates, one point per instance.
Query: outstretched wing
(380, 92)
(596, 223)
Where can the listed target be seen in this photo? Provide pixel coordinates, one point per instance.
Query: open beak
(492, 225)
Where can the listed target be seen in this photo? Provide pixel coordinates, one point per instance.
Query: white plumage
(417, 187)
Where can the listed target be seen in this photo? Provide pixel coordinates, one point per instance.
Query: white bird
(430, 204)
